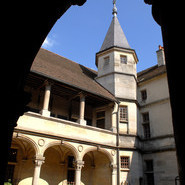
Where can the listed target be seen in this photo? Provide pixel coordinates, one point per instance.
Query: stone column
(81, 120)
(114, 174)
(78, 168)
(45, 111)
(38, 160)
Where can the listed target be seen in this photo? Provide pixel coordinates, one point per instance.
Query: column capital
(78, 164)
(38, 160)
(113, 167)
(48, 83)
(82, 96)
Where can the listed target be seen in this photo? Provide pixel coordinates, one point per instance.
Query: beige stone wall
(130, 67)
(161, 145)
(118, 78)
(157, 89)
(135, 170)
(131, 126)
(165, 167)
(160, 118)
(103, 67)
(157, 105)
(115, 63)
(64, 128)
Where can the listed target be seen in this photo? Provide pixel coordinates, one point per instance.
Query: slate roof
(115, 36)
(150, 73)
(65, 71)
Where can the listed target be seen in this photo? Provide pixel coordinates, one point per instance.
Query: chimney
(160, 56)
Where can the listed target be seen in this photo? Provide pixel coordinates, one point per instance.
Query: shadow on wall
(131, 173)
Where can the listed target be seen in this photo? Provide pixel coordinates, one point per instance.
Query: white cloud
(48, 43)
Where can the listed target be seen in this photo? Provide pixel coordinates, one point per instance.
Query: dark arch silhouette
(25, 26)
(164, 12)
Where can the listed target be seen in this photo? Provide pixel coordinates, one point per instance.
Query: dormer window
(123, 59)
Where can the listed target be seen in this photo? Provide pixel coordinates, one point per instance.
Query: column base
(45, 113)
(82, 121)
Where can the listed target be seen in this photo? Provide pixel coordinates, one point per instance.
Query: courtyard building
(84, 127)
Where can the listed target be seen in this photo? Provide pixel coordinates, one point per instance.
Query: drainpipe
(117, 144)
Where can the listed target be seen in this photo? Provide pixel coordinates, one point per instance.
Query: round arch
(102, 150)
(97, 168)
(28, 140)
(66, 144)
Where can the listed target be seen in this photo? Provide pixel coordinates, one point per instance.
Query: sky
(80, 32)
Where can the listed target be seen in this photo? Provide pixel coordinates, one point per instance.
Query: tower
(116, 62)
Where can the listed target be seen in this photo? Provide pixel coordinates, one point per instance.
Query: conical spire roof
(115, 35)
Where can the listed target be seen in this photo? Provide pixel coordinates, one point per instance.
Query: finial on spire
(114, 10)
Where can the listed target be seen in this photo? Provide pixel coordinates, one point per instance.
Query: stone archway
(20, 165)
(97, 169)
(58, 168)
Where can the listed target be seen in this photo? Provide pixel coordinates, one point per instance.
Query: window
(146, 129)
(125, 162)
(149, 178)
(149, 165)
(70, 162)
(100, 119)
(146, 125)
(149, 172)
(123, 59)
(70, 171)
(106, 60)
(145, 117)
(124, 114)
(143, 95)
